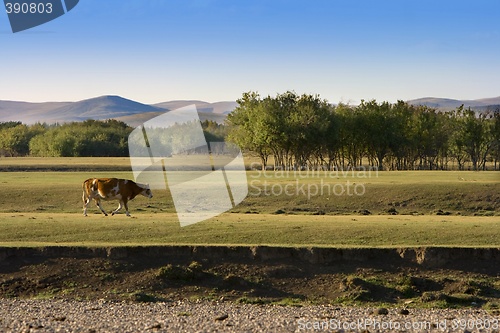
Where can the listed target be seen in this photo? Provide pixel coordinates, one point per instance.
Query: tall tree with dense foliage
(290, 127)
(474, 136)
(495, 130)
(248, 126)
(307, 132)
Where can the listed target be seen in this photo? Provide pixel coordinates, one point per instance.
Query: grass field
(37, 229)
(69, 163)
(408, 208)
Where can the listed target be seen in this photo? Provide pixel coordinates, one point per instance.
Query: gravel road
(183, 316)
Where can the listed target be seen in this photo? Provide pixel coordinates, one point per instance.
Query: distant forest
(90, 138)
(301, 132)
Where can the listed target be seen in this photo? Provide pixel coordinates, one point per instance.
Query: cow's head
(147, 192)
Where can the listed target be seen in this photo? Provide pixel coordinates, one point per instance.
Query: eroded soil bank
(432, 276)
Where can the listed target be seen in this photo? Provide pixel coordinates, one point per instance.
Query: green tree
(214, 132)
(473, 136)
(246, 124)
(351, 136)
(495, 133)
(377, 124)
(430, 135)
(308, 127)
(9, 124)
(403, 145)
(88, 138)
(331, 144)
(15, 138)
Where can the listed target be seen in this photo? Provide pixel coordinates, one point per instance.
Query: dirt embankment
(466, 259)
(445, 276)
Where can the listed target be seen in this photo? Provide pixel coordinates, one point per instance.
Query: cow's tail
(84, 189)
(87, 190)
(93, 186)
(88, 187)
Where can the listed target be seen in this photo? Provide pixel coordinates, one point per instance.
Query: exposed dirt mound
(442, 276)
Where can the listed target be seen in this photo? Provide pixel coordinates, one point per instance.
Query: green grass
(39, 229)
(61, 192)
(403, 192)
(443, 208)
(55, 163)
(411, 192)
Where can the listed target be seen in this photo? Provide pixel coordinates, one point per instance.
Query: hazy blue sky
(345, 50)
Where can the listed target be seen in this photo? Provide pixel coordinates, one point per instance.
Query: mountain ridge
(105, 107)
(102, 107)
(449, 103)
(135, 113)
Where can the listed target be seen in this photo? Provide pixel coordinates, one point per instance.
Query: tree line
(305, 131)
(90, 138)
(300, 131)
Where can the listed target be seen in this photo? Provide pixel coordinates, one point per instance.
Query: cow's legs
(118, 209)
(98, 204)
(86, 201)
(122, 204)
(126, 208)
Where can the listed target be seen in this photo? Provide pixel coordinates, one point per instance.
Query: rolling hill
(135, 113)
(23, 111)
(483, 104)
(223, 108)
(105, 107)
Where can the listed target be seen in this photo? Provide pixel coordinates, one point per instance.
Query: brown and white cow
(106, 189)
